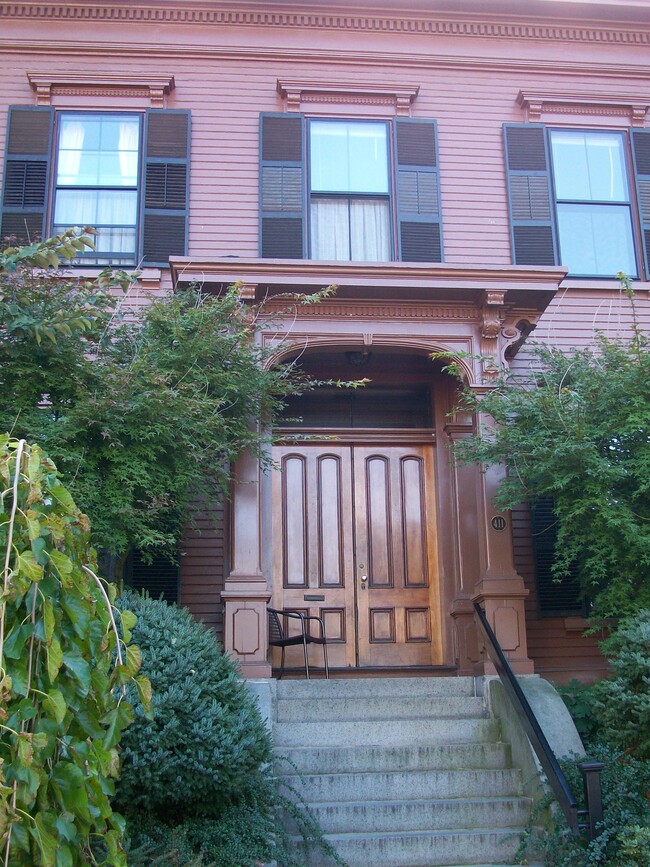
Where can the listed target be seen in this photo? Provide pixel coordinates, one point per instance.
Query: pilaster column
(246, 591)
(500, 589)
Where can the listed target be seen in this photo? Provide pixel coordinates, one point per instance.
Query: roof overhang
(526, 287)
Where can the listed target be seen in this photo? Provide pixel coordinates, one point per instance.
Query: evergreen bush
(624, 836)
(622, 702)
(197, 783)
(205, 745)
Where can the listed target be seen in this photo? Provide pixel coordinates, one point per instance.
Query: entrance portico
(374, 527)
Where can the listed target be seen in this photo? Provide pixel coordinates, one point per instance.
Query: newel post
(246, 591)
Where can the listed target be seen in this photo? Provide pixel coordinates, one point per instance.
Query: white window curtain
(369, 230)
(128, 152)
(330, 229)
(71, 144)
(355, 230)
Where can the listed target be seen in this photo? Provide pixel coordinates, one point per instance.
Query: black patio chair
(279, 635)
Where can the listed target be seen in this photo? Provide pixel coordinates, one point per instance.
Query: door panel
(313, 561)
(354, 541)
(395, 554)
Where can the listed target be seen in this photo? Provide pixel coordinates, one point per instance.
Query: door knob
(364, 578)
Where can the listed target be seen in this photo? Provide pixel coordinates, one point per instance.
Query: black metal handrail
(590, 817)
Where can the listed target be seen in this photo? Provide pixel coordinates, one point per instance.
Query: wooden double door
(354, 541)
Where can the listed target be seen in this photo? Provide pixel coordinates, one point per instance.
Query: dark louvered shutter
(641, 155)
(166, 186)
(532, 210)
(554, 598)
(282, 186)
(158, 576)
(418, 191)
(27, 172)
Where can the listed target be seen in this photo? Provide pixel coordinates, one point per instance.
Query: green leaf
(69, 783)
(54, 659)
(143, 685)
(62, 495)
(14, 645)
(56, 705)
(25, 564)
(77, 665)
(78, 612)
(49, 620)
(47, 843)
(128, 622)
(117, 720)
(62, 563)
(133, 659)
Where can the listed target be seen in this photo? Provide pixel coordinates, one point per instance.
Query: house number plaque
(498, 523)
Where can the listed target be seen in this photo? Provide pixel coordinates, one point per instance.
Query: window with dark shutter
(282, 186)
(126, 179)
(554, 598)
(166, 186)
(27, 173)
(418, 194)
(158, 576)
(326, 189)
(641, 157)
(529, 189)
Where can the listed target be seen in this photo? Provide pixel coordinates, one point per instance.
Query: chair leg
(304, 644)
(281, 665)
(327, 671)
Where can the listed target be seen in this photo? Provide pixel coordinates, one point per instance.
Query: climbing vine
(63, 673)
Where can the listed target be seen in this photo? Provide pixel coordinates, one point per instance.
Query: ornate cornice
(442, 25)
(295, 93)
(221, 53)
(536, 104)
(154, 87)
(351, 310)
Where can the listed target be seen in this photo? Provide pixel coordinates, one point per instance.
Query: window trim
(631, 204)
(389, 196)
(81, 260)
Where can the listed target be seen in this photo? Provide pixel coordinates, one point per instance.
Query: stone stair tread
(385, 733)
(376, 686)
(398, 708)
(433, 802)
(425, 757)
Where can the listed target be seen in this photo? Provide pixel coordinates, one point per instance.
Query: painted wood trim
(101, 84)
(404, 22)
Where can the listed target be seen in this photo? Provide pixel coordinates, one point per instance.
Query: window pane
(330, 229)
(356, 230)
(596, 239)
(98, 150)
(349, 157)
(589, 166)
(96, 208)
(369, 230)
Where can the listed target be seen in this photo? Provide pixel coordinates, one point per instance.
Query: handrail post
(591, 772)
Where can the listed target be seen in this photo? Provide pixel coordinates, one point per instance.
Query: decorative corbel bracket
(492, 317)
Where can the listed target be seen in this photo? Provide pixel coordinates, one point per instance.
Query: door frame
(347, 647)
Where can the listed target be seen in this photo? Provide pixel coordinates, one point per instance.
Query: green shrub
(581, 700)
(197, 783)
(206, 742)
(622, 702)
(624, 838)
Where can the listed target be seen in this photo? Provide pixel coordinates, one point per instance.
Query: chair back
(276, 632)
